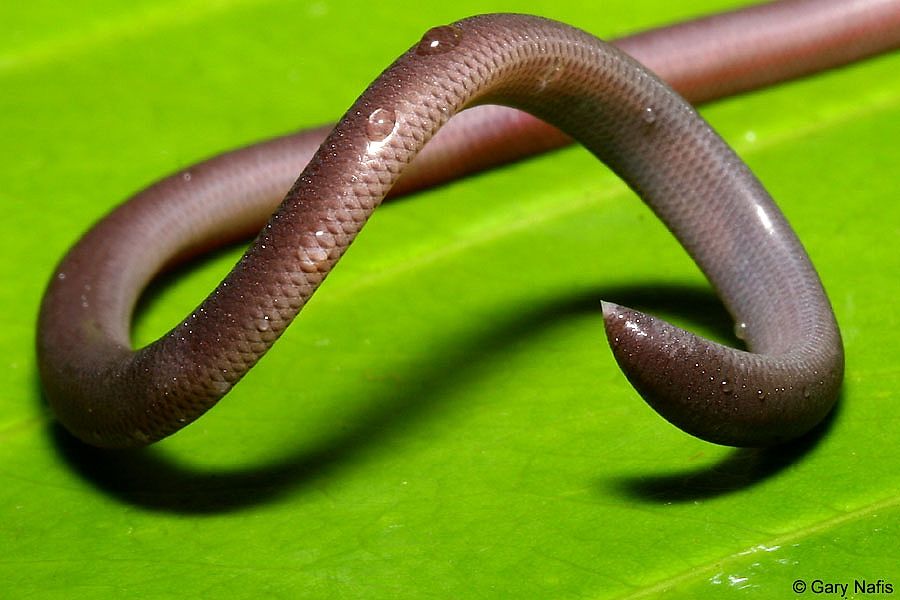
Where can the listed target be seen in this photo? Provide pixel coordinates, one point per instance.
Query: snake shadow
(149, 479)
(740, 469)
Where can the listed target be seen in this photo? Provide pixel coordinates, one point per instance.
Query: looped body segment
(110, 395)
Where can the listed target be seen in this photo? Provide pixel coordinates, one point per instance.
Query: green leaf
(445, 419)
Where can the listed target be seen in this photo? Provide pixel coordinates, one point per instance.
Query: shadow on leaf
(148, 478)
(741, 469)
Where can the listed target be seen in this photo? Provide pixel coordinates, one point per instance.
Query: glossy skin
(109, 395)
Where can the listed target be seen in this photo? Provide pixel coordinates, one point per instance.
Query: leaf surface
(444, 419)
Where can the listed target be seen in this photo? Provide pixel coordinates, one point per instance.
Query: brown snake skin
(110, 395)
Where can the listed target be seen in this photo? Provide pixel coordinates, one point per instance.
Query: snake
(532, 84)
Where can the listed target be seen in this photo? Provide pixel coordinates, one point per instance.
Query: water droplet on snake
(221, 387)
(740, 330)
(649, 115)
(316, 254)
(380, 124)
(438, 40)
(551, 74)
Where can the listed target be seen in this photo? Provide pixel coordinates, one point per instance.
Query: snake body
(110, 395)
